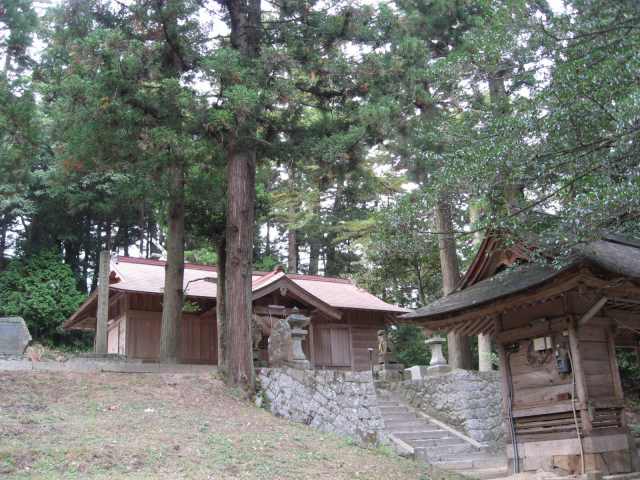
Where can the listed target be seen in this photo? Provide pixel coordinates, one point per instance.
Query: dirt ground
(134, 426)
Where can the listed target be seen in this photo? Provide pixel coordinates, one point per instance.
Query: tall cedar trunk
(96, 257)
(3, 243)
(315, 240)
(241, 181)
(173, 297)
(314, 255)
(292, 237)
(484, 339)
(239, 239)
(421, 293)
(221, 314)
(267, 246)
(292, 251)
(513, 189)
(459, 348)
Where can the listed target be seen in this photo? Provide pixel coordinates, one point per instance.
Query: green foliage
(203, 255)
(409, 346)
(629, 365)
(43, 291)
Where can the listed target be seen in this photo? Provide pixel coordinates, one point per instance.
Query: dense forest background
(386, 136)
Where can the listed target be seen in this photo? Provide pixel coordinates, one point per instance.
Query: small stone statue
(385, 349)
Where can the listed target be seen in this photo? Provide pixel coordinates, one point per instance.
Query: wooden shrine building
(344, 324)
(556, 329)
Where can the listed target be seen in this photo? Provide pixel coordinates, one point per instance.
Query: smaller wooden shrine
(556, 329)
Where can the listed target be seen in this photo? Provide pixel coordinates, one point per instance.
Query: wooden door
(199, 339)
(332, 346)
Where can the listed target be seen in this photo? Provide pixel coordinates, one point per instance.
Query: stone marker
(14, 336)
(417, 372)
(280, 346)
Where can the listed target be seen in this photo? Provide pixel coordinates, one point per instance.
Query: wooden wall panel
(364, 335)
(144, 330)
(332, 345)
(362, 339)
(112, 338)
(322, 346)
(198, 339)
(537, 383)
(122, 336)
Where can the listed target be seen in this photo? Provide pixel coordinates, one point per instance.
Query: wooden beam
(554, 324)
(278, 312)
(592, 312)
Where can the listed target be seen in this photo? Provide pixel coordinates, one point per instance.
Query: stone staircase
(414, 434)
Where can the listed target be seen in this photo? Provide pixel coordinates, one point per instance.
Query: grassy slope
(164, 426)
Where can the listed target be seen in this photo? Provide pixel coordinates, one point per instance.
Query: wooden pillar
(579, 377)
(102, 315)
(484, 352)
(613, 363)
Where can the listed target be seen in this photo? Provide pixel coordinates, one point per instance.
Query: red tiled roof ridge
(318, 278)
(213, 268)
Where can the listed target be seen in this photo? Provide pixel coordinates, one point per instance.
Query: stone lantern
(298, 323)
(438, 363)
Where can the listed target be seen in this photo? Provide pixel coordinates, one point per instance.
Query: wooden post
(613, 363)
(578, 372)
(102, 315)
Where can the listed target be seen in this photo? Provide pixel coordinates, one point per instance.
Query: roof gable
(613, 255)
(493, 256)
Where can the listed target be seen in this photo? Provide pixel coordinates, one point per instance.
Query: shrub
(41, 289)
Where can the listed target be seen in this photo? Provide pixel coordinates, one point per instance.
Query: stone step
(418, 432)
(464, 463)
(487, 473)
(444, 452)
(436, 442)
(398, 423)
(400, 416)
(391, 409)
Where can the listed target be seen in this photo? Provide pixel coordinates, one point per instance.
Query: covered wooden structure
(344, 318)
(556, 329)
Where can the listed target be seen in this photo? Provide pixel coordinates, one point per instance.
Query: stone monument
(438, 363)
(280, 344)
(14, 336)
(298, 323)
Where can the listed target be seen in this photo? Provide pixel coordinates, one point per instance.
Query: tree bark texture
(459, 348)
(3, 243)
(484, 340)
(102, 315)
(245, 22)
(173, 297)
(239, 238)
(292, 251)
(221, 315)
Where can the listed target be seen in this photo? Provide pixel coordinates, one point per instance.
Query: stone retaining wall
(468, 400)
(329, 400)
